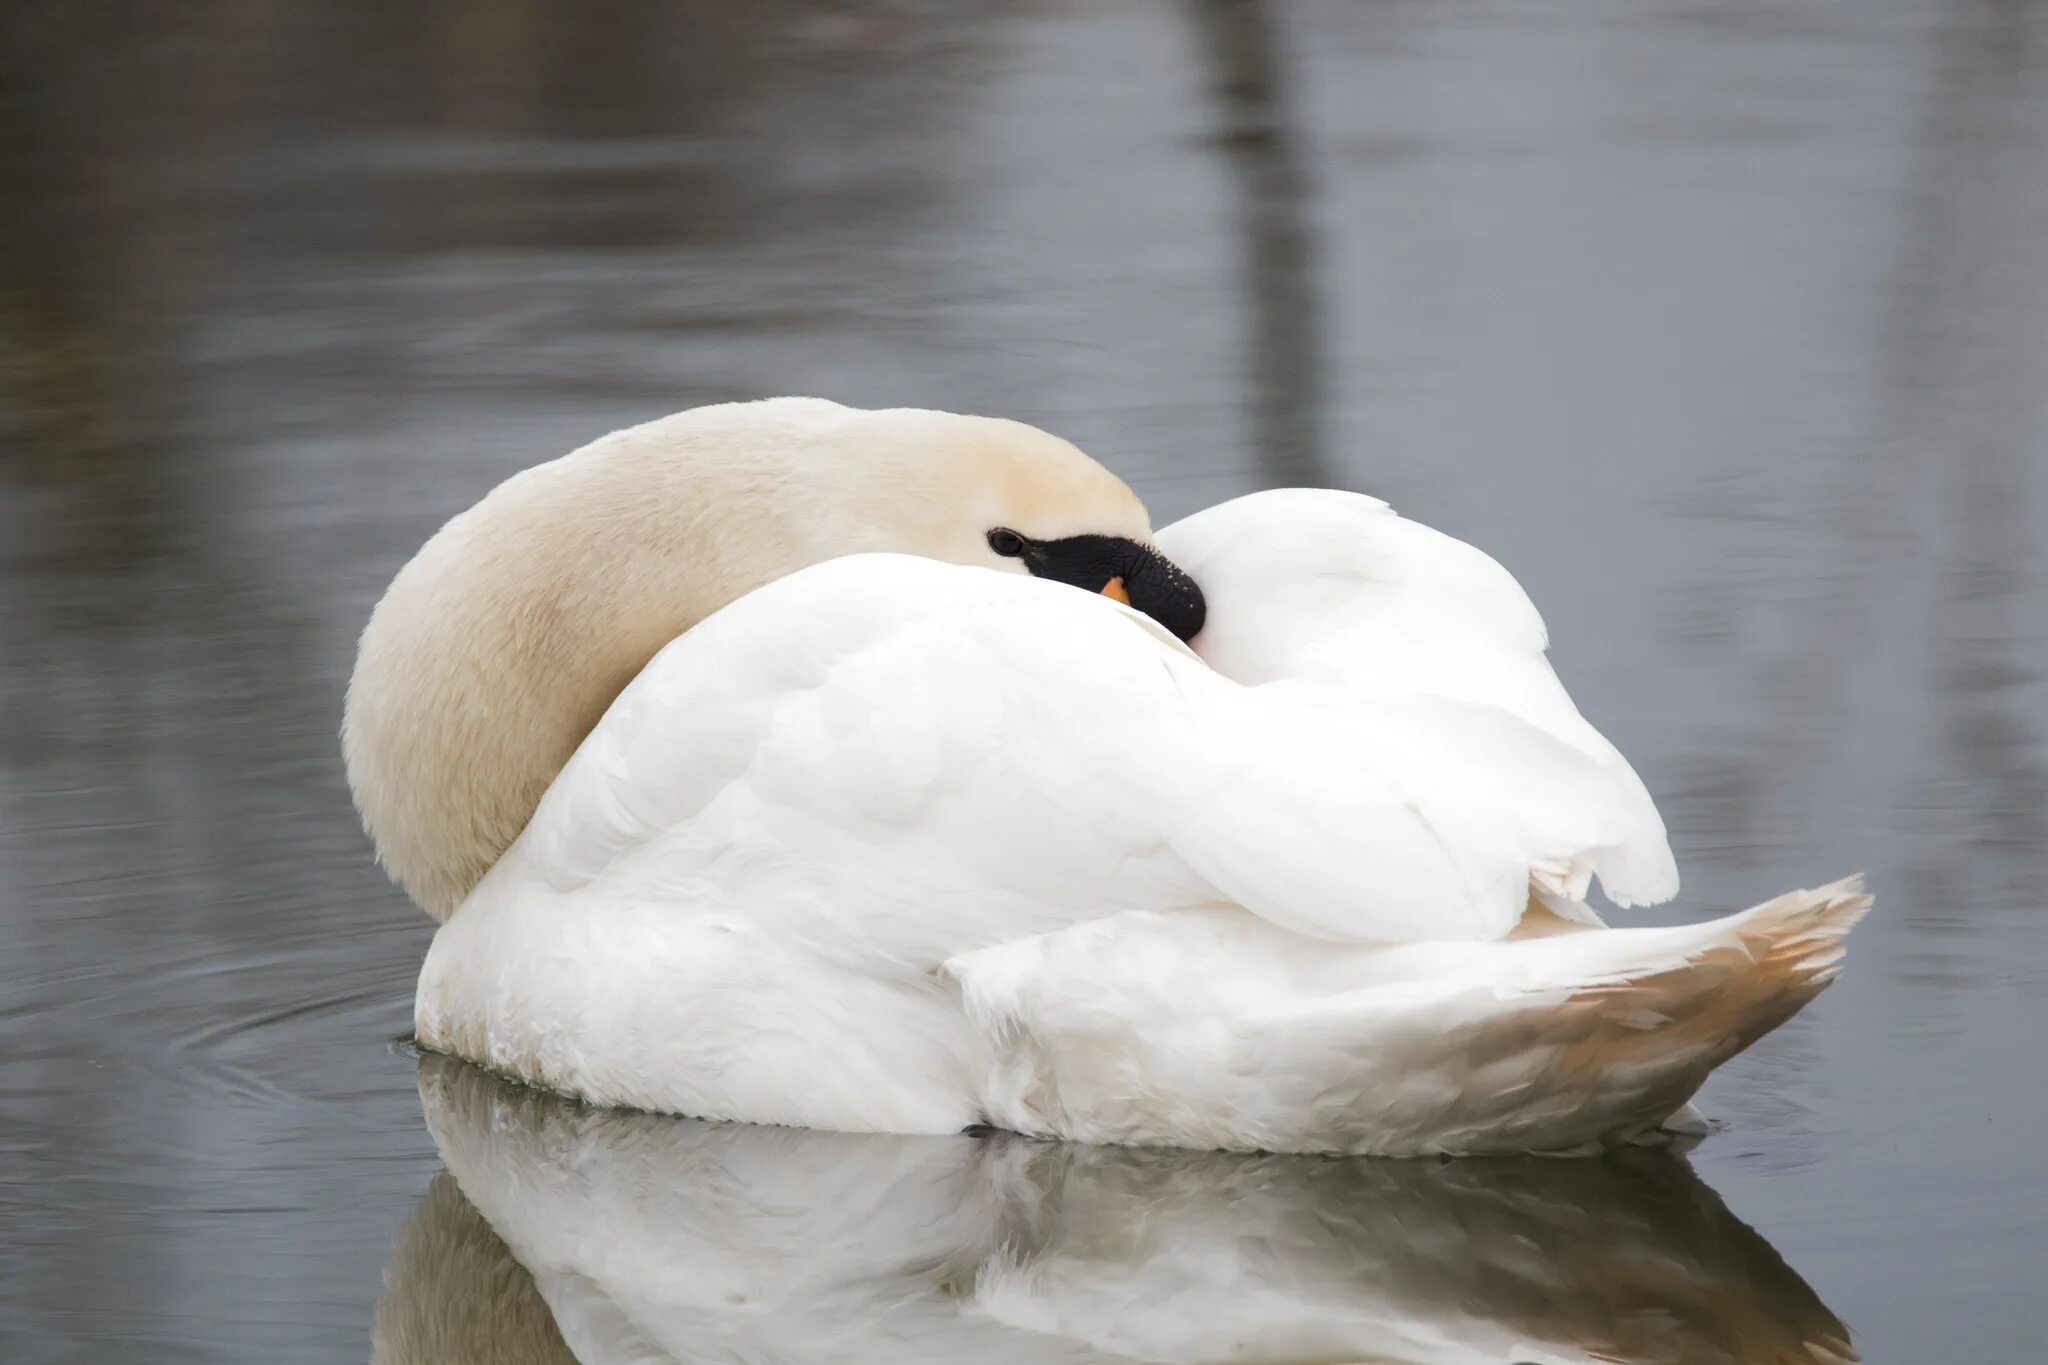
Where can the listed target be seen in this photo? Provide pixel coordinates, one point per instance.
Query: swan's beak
(1157, 586)
(1126, 571)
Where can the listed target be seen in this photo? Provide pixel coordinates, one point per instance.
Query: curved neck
(509, 634)
(504, 640)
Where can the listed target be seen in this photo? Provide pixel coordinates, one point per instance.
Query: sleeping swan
(763, 763)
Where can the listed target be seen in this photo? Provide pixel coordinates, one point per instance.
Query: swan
(560, 1233)
(764, 763)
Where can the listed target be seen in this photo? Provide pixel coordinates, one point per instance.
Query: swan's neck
(505, 639)
(502, 643)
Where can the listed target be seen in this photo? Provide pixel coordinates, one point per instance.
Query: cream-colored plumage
(498, 647)
(891, 842)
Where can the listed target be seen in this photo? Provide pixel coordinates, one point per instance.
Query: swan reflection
(563, 1233)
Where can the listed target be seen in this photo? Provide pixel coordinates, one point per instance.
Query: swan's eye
(1008, 544)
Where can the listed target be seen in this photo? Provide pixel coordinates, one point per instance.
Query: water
(1724, 326)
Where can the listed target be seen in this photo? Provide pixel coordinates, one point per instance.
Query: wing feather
(915, 759)
(925, 758)
(1314, 589)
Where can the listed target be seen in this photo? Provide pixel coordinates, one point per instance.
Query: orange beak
(1114, 590)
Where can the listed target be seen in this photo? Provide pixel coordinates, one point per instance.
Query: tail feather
(1214, 1029)
(1641, 1017)
(1802, 936)
(1795, 941)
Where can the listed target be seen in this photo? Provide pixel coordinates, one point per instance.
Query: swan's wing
(904, 759)
(1332, 591)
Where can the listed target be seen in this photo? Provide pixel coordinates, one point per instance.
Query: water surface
(1724, 326)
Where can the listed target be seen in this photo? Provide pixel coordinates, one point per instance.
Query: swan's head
(503, 641)
(984, 491)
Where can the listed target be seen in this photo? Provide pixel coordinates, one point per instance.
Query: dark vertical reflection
(1966, 389)
(1249, 79)
(68, 404)
(1941, 498)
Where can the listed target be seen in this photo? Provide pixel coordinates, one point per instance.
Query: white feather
(1334, 590)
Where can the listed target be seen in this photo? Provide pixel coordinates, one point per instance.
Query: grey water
(1722, 323)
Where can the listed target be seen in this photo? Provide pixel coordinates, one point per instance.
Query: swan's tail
(1214, 1029)
(1791, 945)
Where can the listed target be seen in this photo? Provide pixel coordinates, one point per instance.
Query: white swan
(612, 1237)
(888, 841)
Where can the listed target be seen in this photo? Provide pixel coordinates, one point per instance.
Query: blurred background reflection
(1723, 325)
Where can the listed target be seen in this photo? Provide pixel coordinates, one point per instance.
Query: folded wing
(1333, 594)
(914, 759)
